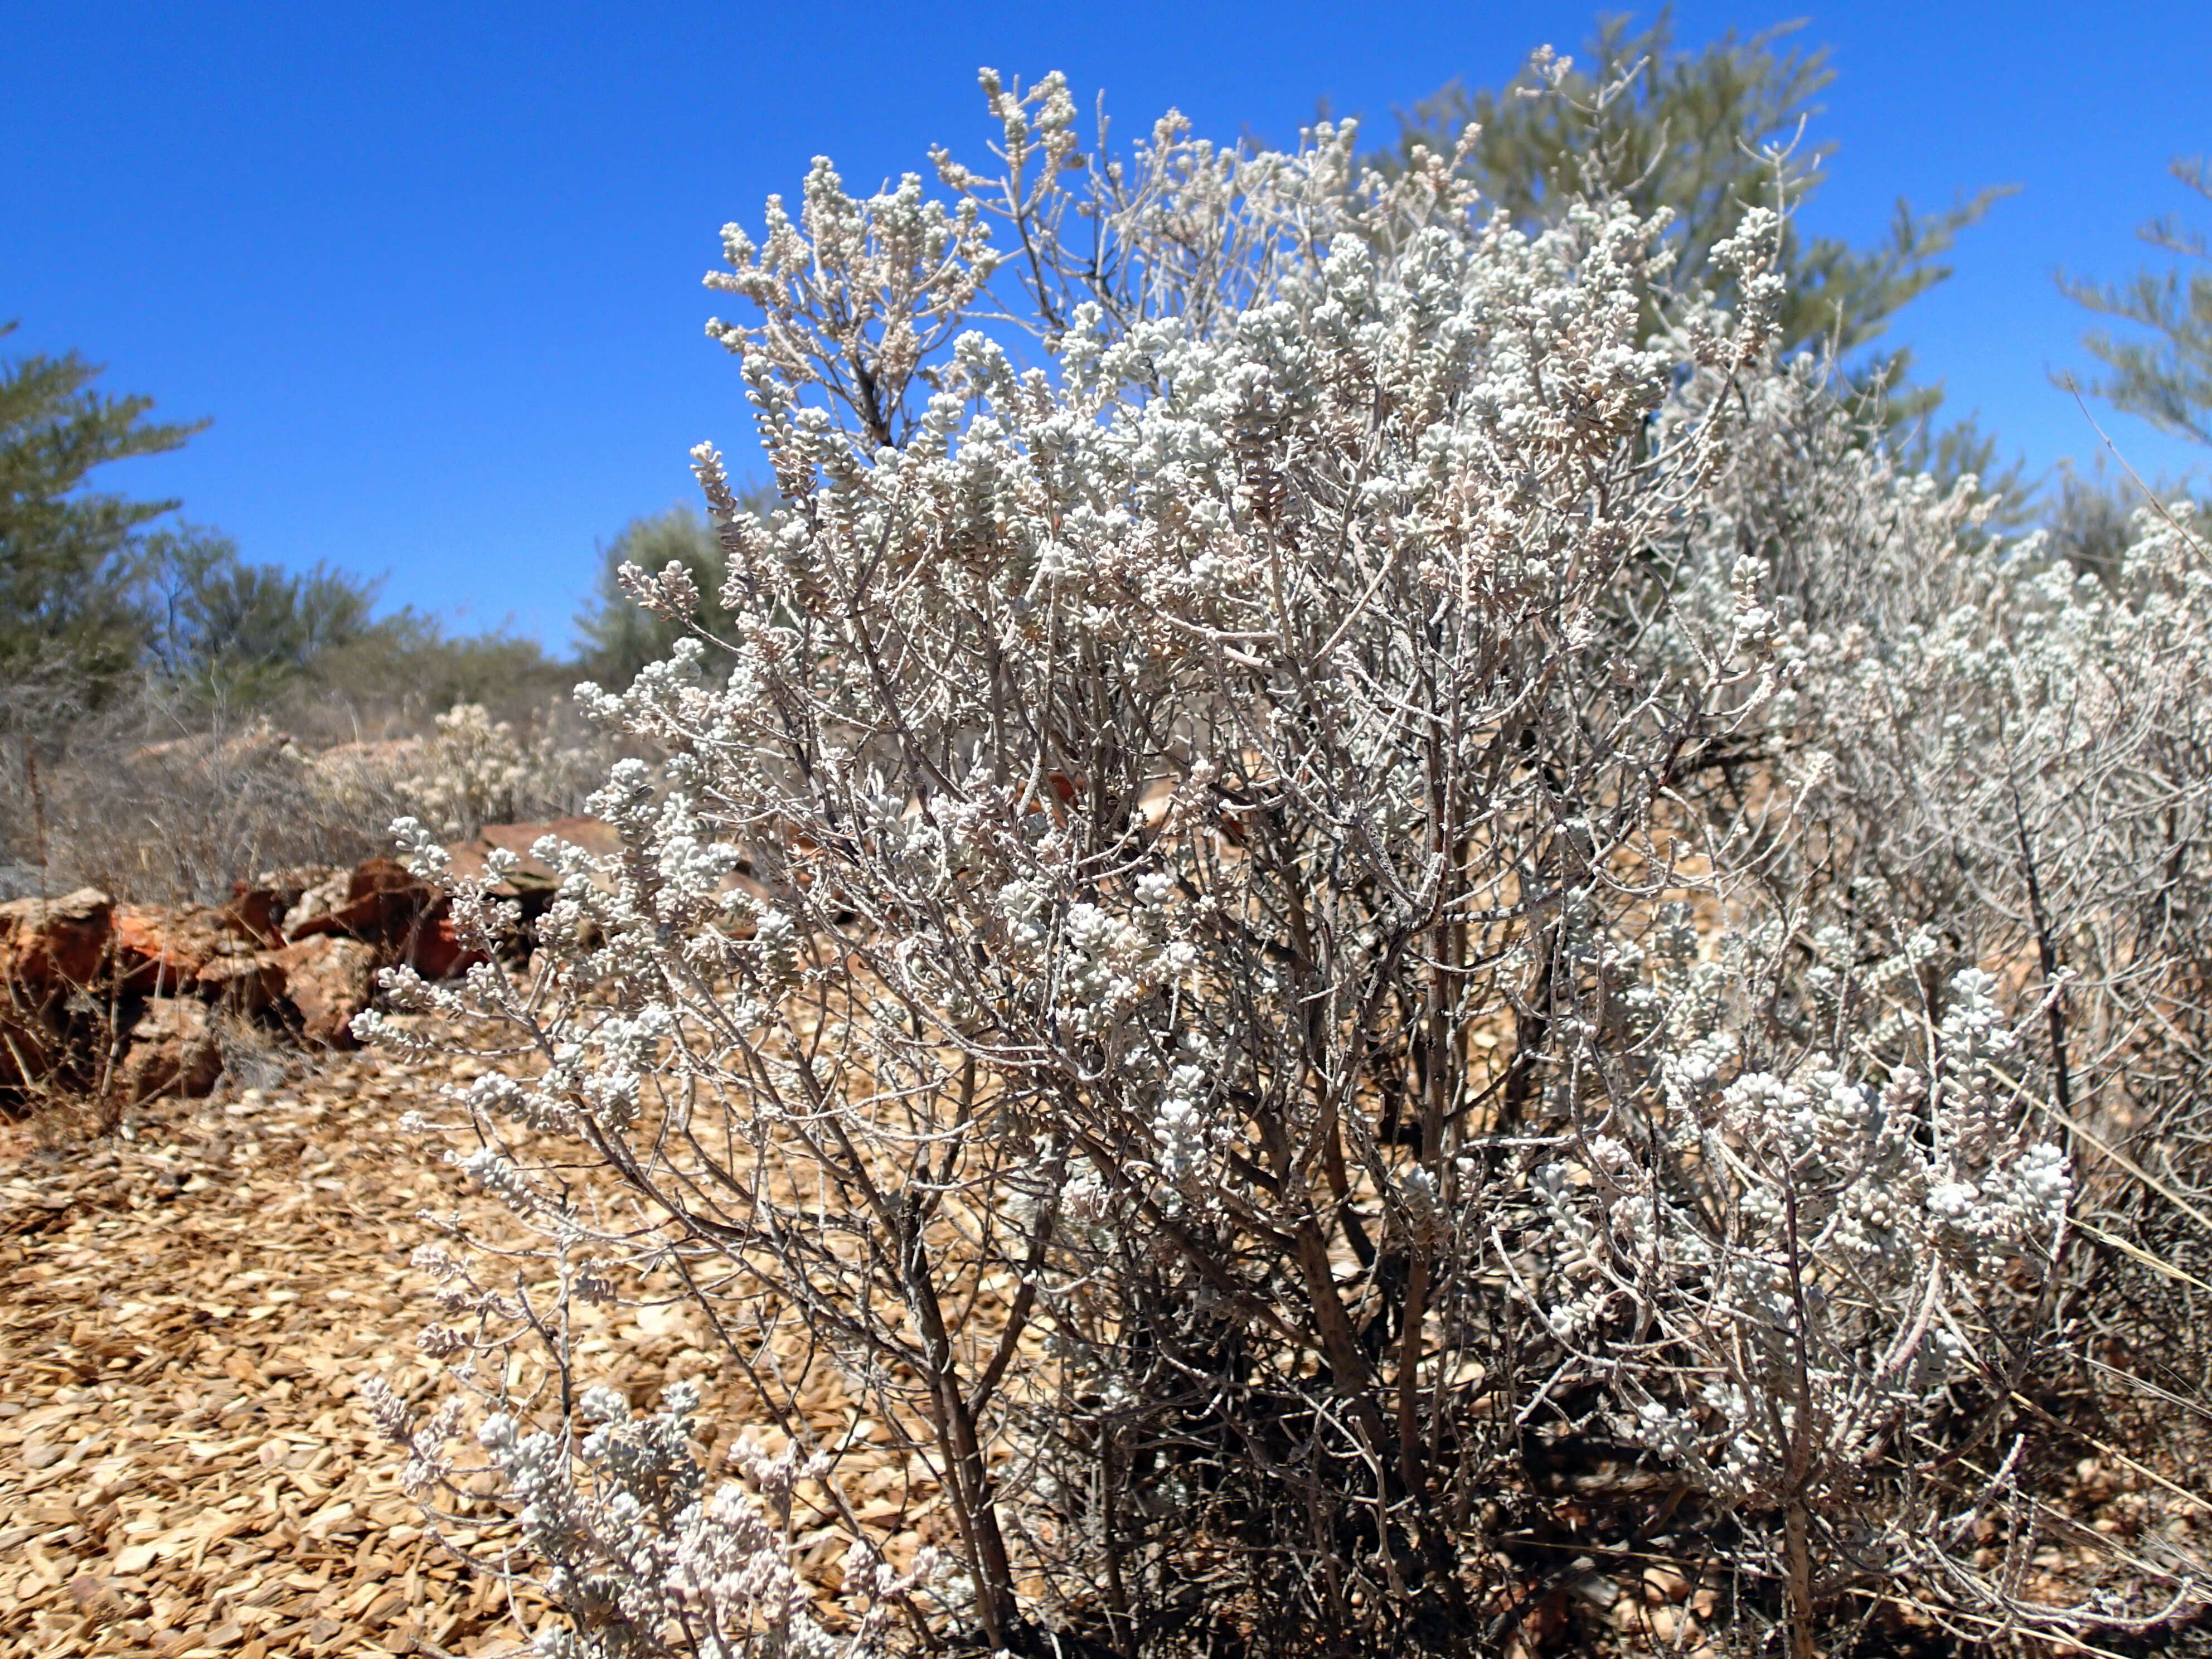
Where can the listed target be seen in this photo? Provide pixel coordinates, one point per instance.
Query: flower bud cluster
(1789, 1229)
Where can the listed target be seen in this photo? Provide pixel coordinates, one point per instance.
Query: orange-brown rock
(173, 1051)
(161, 951)
(434, 950)
(382, 902)
(253, 913)
(240, 978)
(265, 906)
(530, 878)
(316, 899)
(46, 944)
(49, 948)
(534, 880)
(328, 980)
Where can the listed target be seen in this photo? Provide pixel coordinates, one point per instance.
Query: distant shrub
(160, 798)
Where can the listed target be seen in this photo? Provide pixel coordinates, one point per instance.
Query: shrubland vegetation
(1376, 895)
(1418, 926)
(165, 700)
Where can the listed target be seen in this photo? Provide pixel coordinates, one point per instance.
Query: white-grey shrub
(1250, 923)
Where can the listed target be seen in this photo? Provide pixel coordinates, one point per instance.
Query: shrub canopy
(1342, 864)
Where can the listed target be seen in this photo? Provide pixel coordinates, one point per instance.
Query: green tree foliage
(237, 631)
(1705, 135)
(2087, 519)
(71, 558)
(2166, 378)
(92, 598)
(243, 636)
(618, 636)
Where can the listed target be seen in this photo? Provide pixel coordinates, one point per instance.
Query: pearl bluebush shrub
(1321, 872)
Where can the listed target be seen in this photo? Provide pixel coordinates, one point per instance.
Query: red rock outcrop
(298, 948)
(383, 901)
(159, 950)
(28, 1042)
(532, 873)
(173, 1051)
(51, 944)
(328, 980)
(242, 979)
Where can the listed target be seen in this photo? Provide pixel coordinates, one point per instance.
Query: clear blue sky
(435, 270)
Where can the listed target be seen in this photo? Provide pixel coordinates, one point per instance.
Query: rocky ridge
(120, 1003)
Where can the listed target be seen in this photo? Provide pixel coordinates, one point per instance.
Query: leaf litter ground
(187, 1313)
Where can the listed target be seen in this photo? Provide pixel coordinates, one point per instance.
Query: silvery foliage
(1242, 634)
(1987, 757)
(1782, 1243)
(643, 1557)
